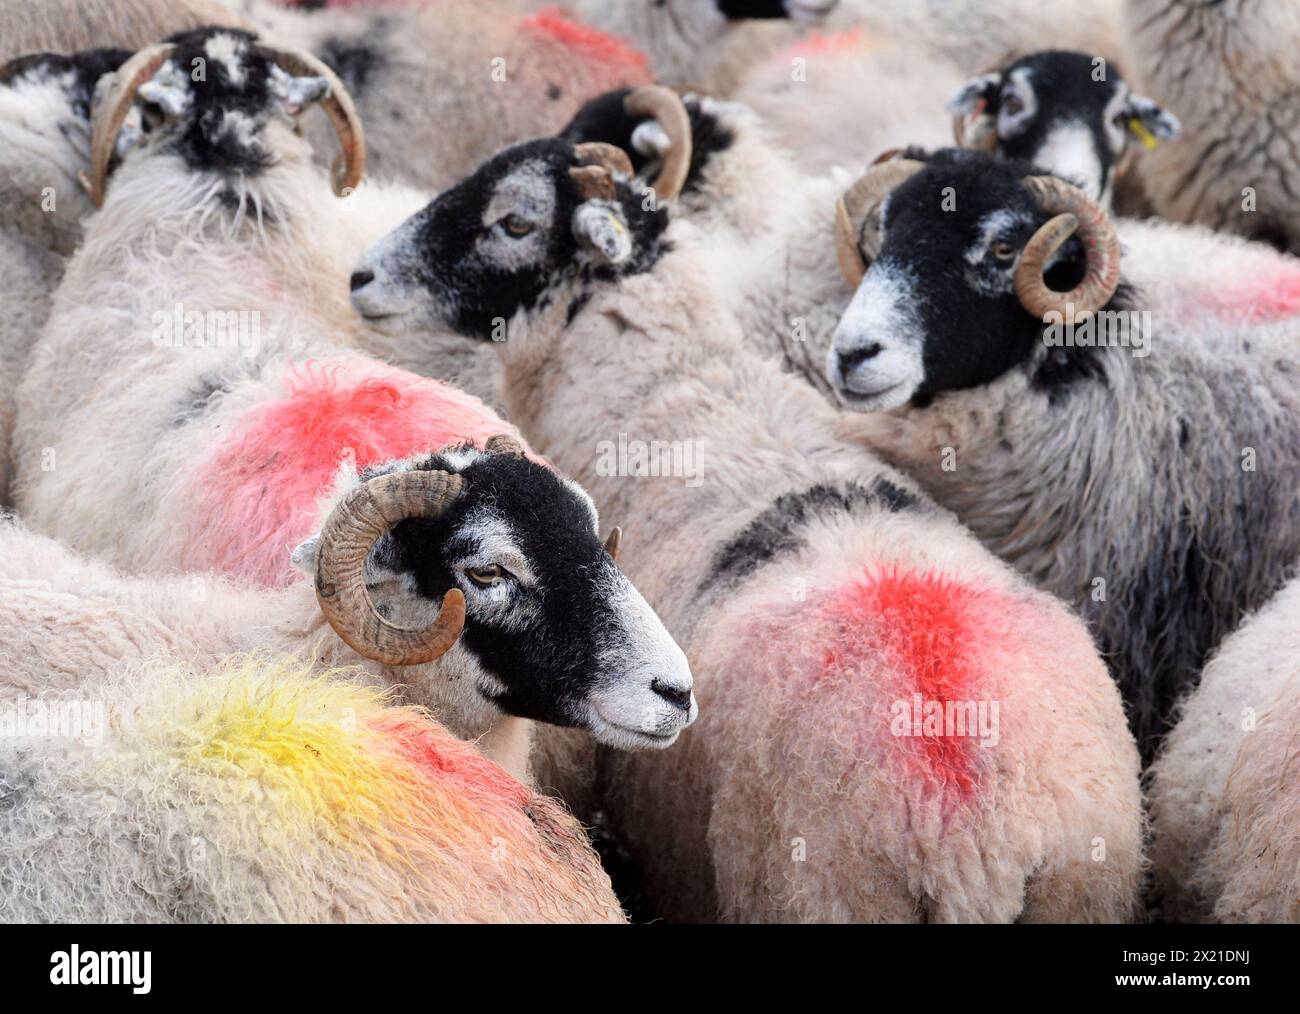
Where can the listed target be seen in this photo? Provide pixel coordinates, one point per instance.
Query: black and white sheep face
(553, 629)
(45, 103)
(937, 310)
(222, 106)
(498, 242)
(1071, 113)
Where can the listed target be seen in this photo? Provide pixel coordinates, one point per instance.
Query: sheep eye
(1004, 251)
(516, 226)
(486, 577)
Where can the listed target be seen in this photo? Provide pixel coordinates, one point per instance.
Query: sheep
(765, 220)
(1235, 167)
(441, 86)
(1067, 111)
(1224, 805)
(231, 398)
(44, 143)
(1117, 463)
(819, 594)
(166, 781)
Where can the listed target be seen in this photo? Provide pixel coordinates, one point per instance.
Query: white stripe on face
(1070, 152)
(875, 359)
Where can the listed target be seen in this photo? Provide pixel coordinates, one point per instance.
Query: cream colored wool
(445, 84)
(260, 787)
(1225, 800)
(65, 26)
(1229, 72)
(690, 44)
(28, 277)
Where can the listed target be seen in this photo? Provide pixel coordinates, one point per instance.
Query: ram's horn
(666, 106)
(366, 513)
(611, 156)
(983, 139)
(338, 107)
(613, 542)
(111, 112)
(855, 230)
(1072, 211)
(504, 443)
(594, 182)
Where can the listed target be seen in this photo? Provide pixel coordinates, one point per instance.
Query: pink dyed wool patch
(935, 631)
(588, 44)
(256, 497)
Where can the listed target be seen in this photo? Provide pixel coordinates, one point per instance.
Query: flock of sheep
(915, 381)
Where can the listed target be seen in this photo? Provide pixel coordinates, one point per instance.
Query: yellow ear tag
(1138, 129)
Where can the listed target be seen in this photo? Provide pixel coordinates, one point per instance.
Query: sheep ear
(169, 90)
(975, 95)
(1156, 121)
(304, 556)
(602, 231)
(297, 93)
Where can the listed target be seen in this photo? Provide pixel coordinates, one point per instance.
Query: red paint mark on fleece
(837, 42)
(1274, 295)
(589, 44)
(933, 628)
(255, 499)
(441, 757)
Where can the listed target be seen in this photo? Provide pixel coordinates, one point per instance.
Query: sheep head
(215, 92)
(973, 257)
(536, 217)
(1070, 113)
(489, 564)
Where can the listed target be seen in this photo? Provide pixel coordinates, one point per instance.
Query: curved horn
(855, 230)
(372, 509)
(614, 542)
(338, 107)
(111, 112)
(666, 106)
(984, 138)
(504, 443)
(594, 182)
(611, 156)
(1073, 211)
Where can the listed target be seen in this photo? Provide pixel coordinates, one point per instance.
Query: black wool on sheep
(778, 529)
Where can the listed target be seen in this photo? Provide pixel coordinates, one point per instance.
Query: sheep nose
(676, 696)
(850, 360)
(360, 279)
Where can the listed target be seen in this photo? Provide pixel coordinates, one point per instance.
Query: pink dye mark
(255, 499)
(588, 44)
(935, 630)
